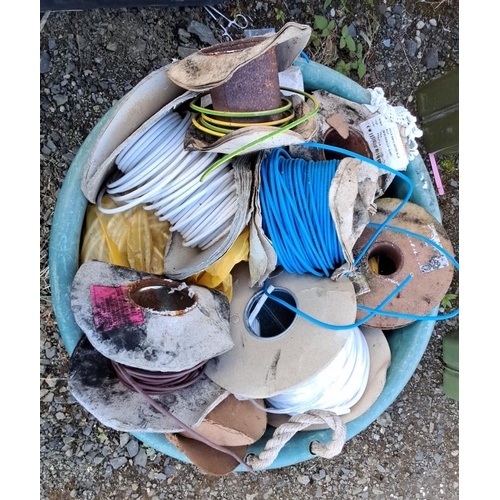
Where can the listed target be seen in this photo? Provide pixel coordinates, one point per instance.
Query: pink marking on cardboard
(113, 309)
(435, 170)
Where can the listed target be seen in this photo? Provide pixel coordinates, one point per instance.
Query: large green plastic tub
(407, 344)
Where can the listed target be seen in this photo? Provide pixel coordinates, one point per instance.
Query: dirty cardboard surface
(135, 335)
(94, 384)
(259, 367)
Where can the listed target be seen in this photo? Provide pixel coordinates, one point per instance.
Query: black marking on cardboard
(274, 365)
(128, 338)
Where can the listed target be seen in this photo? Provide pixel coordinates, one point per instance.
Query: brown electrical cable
(157, 383)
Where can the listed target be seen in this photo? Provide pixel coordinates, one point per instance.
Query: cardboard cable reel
(157, 324)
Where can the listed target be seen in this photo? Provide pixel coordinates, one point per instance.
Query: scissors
(242, 24)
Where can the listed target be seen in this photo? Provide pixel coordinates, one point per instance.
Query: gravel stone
(61, 99)
(431, 59)
(186, 51)
(132, 448)
(141, 459)
(44, 62)
(411, 47)
(203, 32)
(184, 33)
(398, 9)
(319, 475)
(118, 462)
(124, 439)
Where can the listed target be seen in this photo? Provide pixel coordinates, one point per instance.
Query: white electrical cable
(148, 166)
(145, 143)
(174, 208)
(158, 173)
(337, 388)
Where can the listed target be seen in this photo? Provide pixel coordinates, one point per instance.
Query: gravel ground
(89, 60)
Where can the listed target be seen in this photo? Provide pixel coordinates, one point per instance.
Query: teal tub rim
(407, 344)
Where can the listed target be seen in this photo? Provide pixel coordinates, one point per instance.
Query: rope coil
(297, 423)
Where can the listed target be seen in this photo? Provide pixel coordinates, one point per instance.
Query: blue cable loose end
(304, 55)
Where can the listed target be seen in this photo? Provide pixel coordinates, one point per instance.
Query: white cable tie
(255, 325)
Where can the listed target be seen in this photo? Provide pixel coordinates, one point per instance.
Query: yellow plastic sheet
(136, 239)
(218, 275)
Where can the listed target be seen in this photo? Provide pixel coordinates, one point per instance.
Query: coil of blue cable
(296, 213)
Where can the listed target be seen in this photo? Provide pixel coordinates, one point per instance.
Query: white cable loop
(175, 207)
(181, 225)
(396, 114)
(153, 163)
(158, 173)
(146, 143)
(337, 388)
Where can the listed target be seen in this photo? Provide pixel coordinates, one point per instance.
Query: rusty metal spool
(352, 141)
(253, 87)
(399, 255)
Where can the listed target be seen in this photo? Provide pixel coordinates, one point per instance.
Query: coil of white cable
(158, 173)
(337, 388)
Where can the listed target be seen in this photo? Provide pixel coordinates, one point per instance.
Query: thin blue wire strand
(339, 327)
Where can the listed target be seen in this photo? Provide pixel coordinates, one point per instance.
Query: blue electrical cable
(376, 164)
(338, 327)
(304, 55)
(380, 227)
(296, 215)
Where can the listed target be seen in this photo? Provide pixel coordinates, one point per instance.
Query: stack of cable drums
(406, 350)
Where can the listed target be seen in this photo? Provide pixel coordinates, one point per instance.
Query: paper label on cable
(112, 309)
(359, 281)
(385, 142)
(436, 261)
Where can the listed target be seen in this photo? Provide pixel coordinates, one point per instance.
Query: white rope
(286, 431)
(396, 114)
(160, 174)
